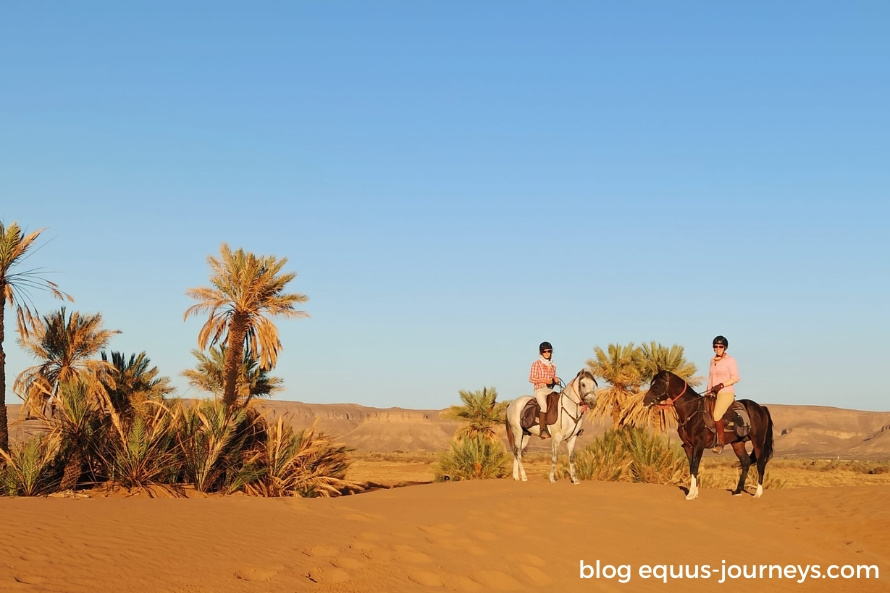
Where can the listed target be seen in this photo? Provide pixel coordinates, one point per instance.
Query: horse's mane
(588, 374)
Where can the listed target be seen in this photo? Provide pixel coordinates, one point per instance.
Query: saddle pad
(529, 416)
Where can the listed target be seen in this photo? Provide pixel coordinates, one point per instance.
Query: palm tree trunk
(4, 423)
(234, 357)
(616, 415)
(72, 472)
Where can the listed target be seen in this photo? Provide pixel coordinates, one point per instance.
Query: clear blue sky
(456, 182)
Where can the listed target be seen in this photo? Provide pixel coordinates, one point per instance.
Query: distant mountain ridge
(800, 431)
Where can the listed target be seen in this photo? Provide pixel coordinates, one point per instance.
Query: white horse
(580, 392)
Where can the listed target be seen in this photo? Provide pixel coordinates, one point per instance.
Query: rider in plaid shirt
(543, 377)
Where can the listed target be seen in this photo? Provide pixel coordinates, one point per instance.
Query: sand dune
(476, 536)
(469, 536)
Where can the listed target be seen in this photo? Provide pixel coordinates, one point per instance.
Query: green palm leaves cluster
(66, 344)
(481, 414)
(252, 380)
(628, 368)
(476, 451)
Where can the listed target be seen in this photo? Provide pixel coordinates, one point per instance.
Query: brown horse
(667, 389)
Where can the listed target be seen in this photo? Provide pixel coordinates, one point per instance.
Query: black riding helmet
(544, 346)
(722, 341)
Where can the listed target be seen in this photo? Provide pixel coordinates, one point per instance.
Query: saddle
(735, 419)
(529, 415)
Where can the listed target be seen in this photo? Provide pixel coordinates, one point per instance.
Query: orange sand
(470, 536)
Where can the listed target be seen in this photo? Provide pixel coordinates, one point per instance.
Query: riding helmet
(722, 341)
(544, 346)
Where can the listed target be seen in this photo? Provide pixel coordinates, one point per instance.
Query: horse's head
(659, 389)
(586, 387)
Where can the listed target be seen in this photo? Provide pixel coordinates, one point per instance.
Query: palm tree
(253, 381)
(14, 286)
(133, 381)
(481, 411)
(653, 358)
(246, 290)
(621, 368)
(656, 357)
(65, 343)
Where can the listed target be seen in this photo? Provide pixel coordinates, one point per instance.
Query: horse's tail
(766, 448)
(510, 437)
(768, 441)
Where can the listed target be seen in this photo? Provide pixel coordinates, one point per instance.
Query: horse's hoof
(737, 492)
(759, 492)
(692, 496)
(524, 479)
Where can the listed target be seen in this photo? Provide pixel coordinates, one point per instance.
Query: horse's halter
(582, 398)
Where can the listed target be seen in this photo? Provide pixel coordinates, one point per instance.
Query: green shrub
(631, 455)
(31, 468)
(472, 458)
(146, 453)
(288, 463)
(212, 444)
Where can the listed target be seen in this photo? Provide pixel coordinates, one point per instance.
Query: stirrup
(718, 449)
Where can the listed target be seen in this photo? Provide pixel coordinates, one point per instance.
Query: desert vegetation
(627, 369)
(475, 452)
(108, 421)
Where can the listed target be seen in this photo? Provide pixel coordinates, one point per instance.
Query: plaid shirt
(541, 374)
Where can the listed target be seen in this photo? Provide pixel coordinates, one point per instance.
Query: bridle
(671, 402)
(579, 405)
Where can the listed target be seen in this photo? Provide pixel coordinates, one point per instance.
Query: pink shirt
(541, 374)
(721, 369)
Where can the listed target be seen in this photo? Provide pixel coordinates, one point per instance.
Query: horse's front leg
(517, 454)
(570, 445)
(523, 441)
(554, 450)
(694, 462)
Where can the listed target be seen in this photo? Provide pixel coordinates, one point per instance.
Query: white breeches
(541, 395)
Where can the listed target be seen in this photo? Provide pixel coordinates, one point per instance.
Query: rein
(579, 404)
(673, 399)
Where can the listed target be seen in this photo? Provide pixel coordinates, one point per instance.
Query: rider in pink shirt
(722, 375)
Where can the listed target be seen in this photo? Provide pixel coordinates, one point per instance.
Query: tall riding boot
(543, 425)
(718, 448)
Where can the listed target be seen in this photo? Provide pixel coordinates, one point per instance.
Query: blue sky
(456, 182)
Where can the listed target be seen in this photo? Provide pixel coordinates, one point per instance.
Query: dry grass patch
(398, 468)
(723, 472)
(391, 468)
